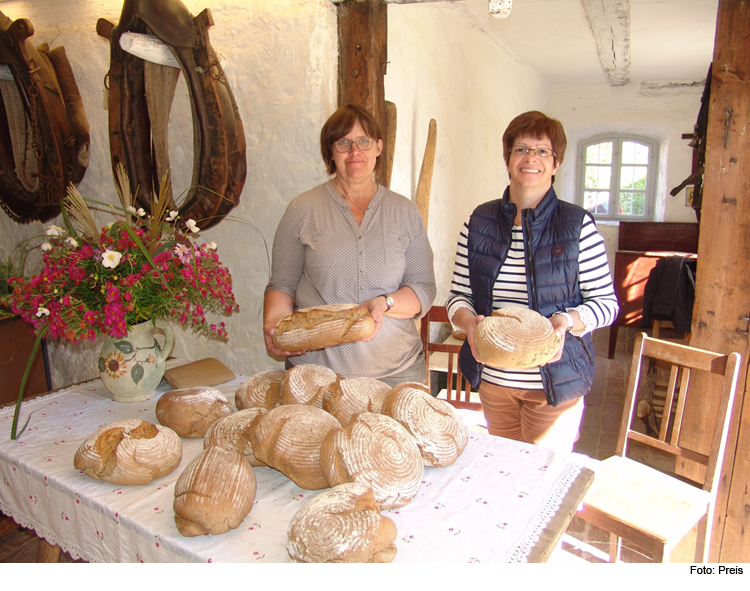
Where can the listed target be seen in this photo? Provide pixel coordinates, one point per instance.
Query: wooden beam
(610, 24)
(721, 311)
(363, 58)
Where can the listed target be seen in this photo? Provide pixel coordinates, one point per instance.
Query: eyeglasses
(363, 143)
(538, 152)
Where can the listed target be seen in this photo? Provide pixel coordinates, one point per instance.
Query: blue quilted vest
(551, 234)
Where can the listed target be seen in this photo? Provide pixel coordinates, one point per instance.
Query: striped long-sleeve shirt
(599, 307)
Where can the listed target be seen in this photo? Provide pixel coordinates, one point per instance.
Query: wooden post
(363, 57)
(721, 312)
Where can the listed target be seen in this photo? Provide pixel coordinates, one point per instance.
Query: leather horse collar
(137, 134)
(44, 133)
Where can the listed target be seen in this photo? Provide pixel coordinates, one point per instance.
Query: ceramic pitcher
(131, 367)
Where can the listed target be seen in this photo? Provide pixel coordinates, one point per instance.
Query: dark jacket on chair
(670, 292)
(551, 234)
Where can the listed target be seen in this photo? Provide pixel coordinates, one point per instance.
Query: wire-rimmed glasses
(363, 143)
(538, 152)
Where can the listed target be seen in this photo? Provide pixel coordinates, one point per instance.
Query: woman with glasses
(530, 249)
(351, 240)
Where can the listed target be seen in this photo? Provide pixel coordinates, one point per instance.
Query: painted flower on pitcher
(113, 364)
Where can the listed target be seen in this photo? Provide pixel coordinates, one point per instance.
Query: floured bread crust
(307, 383)
(374, 450)
(289, 437)
(214, 493)
(262, 390)
(130, 451)
(516, 338)
(233, 432)
(436, 426)
(318, 327)
(351, 396)
(342, 524)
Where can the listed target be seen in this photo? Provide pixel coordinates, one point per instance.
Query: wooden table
(501, 501)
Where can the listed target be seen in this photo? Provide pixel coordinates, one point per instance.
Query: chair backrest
(455, 394)
(684, 363)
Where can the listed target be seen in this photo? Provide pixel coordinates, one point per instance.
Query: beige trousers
(524, 415)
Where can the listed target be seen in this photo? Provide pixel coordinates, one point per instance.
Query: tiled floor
(601, 421)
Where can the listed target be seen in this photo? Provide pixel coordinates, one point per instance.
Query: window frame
(653, 170)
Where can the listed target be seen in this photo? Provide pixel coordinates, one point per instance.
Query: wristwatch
(389, 303)
(568, 317)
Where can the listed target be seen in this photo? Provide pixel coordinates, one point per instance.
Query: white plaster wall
(442, 66)
(282, 65)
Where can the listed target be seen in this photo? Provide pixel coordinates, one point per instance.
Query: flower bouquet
(103, 281)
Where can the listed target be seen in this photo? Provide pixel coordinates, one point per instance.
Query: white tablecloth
(491, 505)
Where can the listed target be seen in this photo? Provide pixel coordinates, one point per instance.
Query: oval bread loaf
(130, 451)
(437, 427)
(288, 438)
(190, 411)
(318, 327)
(516, 338)
(214, 493)
(374, 450)
(343, 524)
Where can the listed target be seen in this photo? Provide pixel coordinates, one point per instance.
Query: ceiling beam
(609, 21)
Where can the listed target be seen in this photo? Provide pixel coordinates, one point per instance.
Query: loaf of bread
(516, 338)
(262, 390)
(233, 432)
(342, 524)
(190, 411)
(288, 438)
(130, 451)
(374, 450)
(214, 493)
(350, 396)
(324, 326)
(436, 426)
(307, 383)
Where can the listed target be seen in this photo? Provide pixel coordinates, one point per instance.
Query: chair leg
(47, 552)
(615, 547)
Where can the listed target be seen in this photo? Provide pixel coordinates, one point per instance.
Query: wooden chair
(449, 349)
(668, 515)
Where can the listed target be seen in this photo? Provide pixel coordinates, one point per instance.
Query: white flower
(72, 241)
(111, 258)
(140, 212)
(192, 226)
(46, 246)
(211, 245)
(55, 230)
(172, 216)
(131, 209)
(42, 312)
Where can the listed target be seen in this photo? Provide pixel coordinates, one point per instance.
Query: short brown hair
(537, 125)
(341, 123)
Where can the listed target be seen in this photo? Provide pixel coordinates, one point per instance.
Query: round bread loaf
(323, 326)
(190, 411)
(130, 451)
(262, 390)
(233, 432)
(343, 524)
(516, 338)
(288, 438)
(353, 395)
(437, 427)
(214, 493)
(308, 384)
(374, 450)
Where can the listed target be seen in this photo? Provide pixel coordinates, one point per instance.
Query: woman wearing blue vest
(532, 250)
